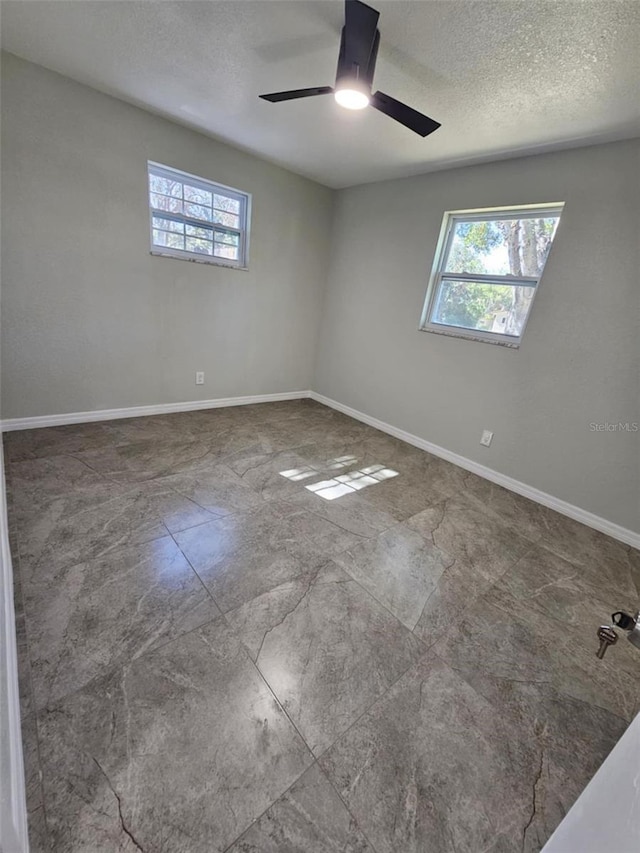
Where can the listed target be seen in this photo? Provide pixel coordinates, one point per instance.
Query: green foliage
(472, 305)
(473, 241)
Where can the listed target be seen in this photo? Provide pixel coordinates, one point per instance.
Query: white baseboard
(13, 810)
(616, 531)
(142, 411)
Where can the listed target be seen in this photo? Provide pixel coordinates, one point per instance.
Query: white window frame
(209, 186)
(439, 274)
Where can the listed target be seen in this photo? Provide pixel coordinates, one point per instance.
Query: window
(486, 272)
(196, 219)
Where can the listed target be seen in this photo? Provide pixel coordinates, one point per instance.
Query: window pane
(175, 241)
(231, 205)
(165, 186)
(228, 219)
(502, 246)
(168, 225)
(223, 251)
(165, 202)
(168, 240)
(195, 231)
(499, 308)
(202, 247)
(197, 195)
(226, 237)
(196, 216)
(197, 211)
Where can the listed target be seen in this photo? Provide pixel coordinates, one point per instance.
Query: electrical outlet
(200, 377)
(486, 437)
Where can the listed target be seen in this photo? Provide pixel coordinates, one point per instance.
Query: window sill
(451, 332)
(195, 260)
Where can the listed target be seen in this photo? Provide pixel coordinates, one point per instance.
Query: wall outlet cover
(486, 437)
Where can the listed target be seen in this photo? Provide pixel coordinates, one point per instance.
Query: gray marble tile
(84, 619)
(38, 832)
(503, 638)
(399, 568)
(301, 431)
(442, 477)
(572, 739)
(568, 538)
(95, 519)
(180, 750)
(210, 423)
(460, 526)
(544, 583)
(526, 516)
(216, 488)
(326, 648)
(432, 766)
(85, 525)
(242, 556)
(285, 409)
(564, 591)
(31, 761)
(379, 447)
(332, 454)
(349, 511)
(273, 475)
(17, 582)
(483, 753)
(177, 426)
(145, 460)
(255, 618)
(14, 547)
(457, 589)
(54, 441)
(207, 423)
(261, 438)
(24, 666)
(601, 556)
(177, 511)
(336, 455)
(308, 818)
(413, 491)
(483, 548)
(38, 482)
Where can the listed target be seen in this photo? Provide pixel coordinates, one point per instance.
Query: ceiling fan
(359, 43)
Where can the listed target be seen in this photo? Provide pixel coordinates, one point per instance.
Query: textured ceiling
(502, 77)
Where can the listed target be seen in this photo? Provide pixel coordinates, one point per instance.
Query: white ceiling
(502, 77)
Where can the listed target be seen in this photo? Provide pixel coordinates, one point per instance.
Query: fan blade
(419, 123)
(274, 97)
(360, 23)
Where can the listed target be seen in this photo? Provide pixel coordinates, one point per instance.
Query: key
(607, 637)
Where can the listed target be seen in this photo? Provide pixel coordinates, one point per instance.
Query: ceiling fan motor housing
(356, 67)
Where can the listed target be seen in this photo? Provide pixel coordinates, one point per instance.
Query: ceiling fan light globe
(352, 99)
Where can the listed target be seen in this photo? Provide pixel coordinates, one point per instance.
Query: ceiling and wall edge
(596, 522)
(619, 135)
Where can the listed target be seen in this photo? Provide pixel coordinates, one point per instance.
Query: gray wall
(89, 319)
(580, 358)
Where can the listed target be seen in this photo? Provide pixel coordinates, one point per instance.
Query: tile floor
(273, 628)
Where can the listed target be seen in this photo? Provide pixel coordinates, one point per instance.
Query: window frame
(439, 273)
(245, 199)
